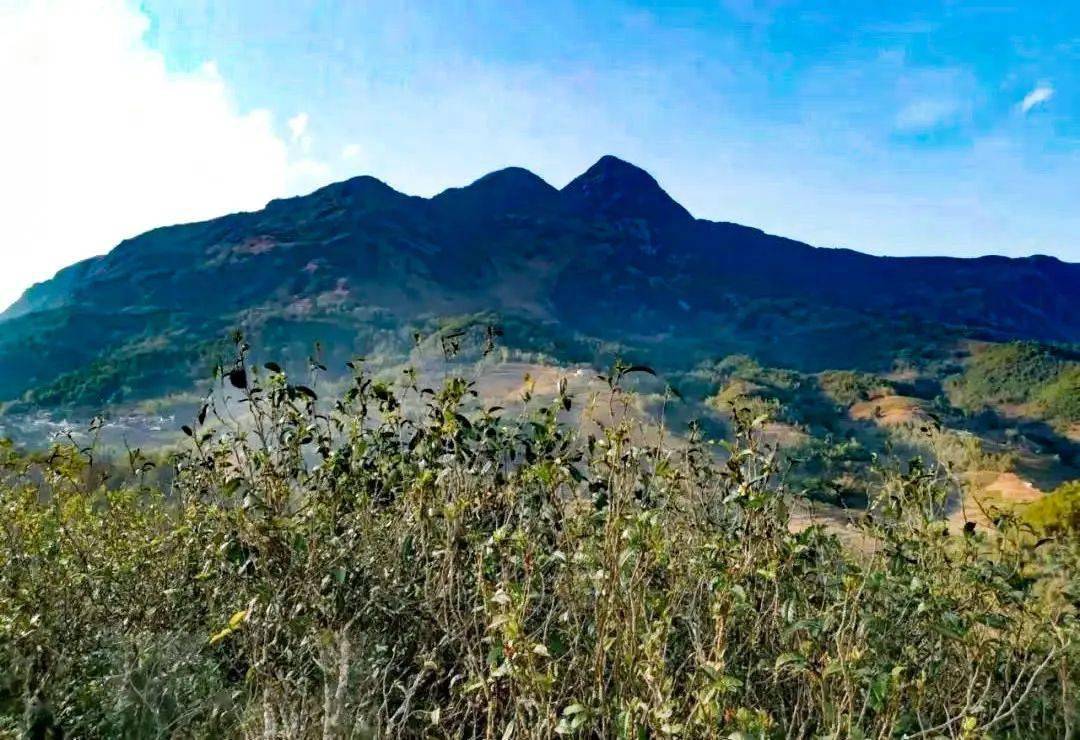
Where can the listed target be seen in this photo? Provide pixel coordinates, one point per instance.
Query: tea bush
(406, 562)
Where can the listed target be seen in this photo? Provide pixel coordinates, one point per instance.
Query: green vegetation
(831, 454)
(1021, 373)
(406, 562)
(1058, 511)
(141, 369)
(1060, 398)
(608, 265)
(745, 384)
(847, 387)
(1007, 373)
(832, 470)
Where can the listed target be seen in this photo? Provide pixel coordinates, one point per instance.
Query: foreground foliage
(407, 563)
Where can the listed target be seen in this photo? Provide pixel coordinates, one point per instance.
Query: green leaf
(790, 661)
(879, 691)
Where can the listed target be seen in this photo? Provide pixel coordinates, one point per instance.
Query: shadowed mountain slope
(609, 260)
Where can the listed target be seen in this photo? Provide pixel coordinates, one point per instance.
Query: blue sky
(894, 128)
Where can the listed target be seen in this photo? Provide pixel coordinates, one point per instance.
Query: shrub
(847, 387)
(406, 562)
(1060, 399)
(1058, 511)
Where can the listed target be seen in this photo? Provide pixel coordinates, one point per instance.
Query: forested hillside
(609, 264)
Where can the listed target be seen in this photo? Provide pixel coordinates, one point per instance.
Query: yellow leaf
(221, 635)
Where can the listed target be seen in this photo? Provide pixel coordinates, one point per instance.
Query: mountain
(609, 264)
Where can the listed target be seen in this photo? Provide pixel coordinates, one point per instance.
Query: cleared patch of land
(988, 492)
(889, 410)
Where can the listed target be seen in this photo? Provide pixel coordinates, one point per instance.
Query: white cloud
(100, 141)
(1039, 95)
(309, 171)
(350, 151)
(298, 126)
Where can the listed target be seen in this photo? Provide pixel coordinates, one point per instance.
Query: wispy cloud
(1040, 94)
(927, 114)
(930, 99)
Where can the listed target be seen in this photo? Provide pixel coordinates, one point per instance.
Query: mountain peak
(611, 165)
(618, 188)
(516, 177)
(503, 191)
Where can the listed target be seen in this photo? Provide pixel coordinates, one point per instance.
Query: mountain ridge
(608, 167)
(609, 260)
